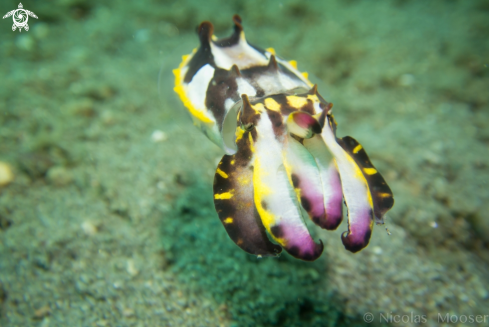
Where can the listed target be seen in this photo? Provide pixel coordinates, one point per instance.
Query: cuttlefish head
(295, 112)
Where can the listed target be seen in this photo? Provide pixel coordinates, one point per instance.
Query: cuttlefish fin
(355, 187)
(228, 130)
(382, 196)
(234, 203)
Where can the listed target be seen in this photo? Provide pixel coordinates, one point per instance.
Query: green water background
(107, 225)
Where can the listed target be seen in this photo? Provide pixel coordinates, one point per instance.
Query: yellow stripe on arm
(223, 174)
(224, 196)
(370, 171)
(228, 220)
(357, 148)
(252, 146)
(260, 192)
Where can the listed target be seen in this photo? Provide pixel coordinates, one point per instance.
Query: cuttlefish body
(283, 160)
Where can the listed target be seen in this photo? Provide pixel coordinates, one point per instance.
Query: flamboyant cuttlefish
(276, 131)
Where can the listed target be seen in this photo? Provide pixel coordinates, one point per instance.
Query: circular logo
(368, 317)
(20, 17)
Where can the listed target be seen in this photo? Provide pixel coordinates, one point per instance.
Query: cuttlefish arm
(330, 180)
(382, 197)
(303, 174)
(357, 190)
(279, 209)
(234, 201)
(316, 171)
(315, 179)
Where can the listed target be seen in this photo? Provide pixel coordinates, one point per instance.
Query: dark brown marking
(272, 64)
(309, 108)
(234, 38)
(323, 104)
(221, 87)
(204, 55)
(331, 224)
(248, 115)
(297, 138)
(326, 106)
(253, 74)
(277, 231)
(296, 252)
(235, 72)
(305, 203)
(313, 90)
(366, 237)
(277, 124)
(244, 154)
(318, 220)
(295, 180)
(247, 111)
(332, 123)
(323, 119)
(354, 246)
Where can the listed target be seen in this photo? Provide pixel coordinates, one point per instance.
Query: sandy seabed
(106, 214)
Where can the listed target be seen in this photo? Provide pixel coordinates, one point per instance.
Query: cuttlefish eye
(247, 127)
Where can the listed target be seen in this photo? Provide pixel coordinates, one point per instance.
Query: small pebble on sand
(89, 228)
(128, 312)
(6, 174)
(377, 250)
(42, 312)
(158, 136)
(131, 268)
